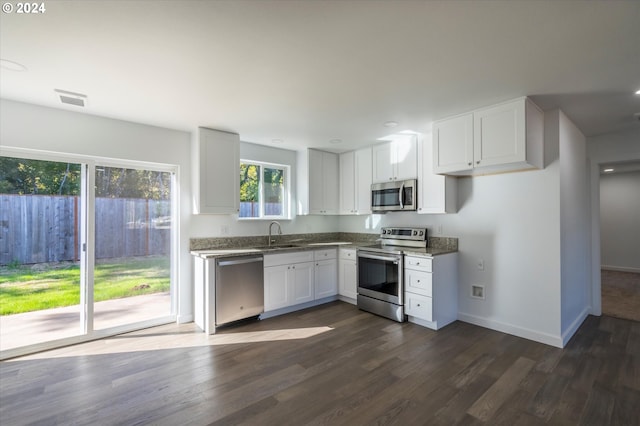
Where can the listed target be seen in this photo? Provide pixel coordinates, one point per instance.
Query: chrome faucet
(271, 226)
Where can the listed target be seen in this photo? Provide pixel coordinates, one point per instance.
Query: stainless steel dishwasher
(239, 288)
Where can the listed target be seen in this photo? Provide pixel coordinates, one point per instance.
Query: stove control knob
(421, 233)
(415, 233)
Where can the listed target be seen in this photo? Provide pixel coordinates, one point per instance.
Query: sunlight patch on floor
(146, 341)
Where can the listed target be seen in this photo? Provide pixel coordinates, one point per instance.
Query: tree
(22, 176)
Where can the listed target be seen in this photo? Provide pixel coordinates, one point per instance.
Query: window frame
(286, 191)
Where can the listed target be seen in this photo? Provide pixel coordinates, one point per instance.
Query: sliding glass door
(133, 223)
(40, 273)
(86, 250)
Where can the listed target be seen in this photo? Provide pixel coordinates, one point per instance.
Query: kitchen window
(264, 189)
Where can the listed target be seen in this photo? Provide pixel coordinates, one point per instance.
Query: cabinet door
(219, 172)
(316, 181)
(382, 171)
(276, 287)
(347, 183)
(418, 306)
(301, 278)
(499, 134)
(347, 284)
(405, 155)
(330, 183)
(326, 278)
(418, 282)
(453, 144)
(363, 175)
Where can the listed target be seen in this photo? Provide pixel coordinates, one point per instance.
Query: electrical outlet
(224, 230)
(439, 230)
(481, 264)
(477, 291)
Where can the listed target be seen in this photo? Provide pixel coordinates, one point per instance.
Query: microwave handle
(401, 196)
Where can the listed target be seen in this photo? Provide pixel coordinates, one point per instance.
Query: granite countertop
(275, 248)
(246, 246)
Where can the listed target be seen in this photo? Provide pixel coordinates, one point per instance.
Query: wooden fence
(46, 228)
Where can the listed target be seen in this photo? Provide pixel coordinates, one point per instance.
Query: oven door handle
(394, 259)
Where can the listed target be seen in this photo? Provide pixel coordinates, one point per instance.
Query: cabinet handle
(418, 305)
(469, 164)
(478, 162)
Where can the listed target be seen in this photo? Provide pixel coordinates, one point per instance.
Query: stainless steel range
(380, 271)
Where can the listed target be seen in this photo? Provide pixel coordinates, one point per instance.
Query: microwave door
(384, 199)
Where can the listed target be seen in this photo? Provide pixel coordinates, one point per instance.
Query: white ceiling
(308, 72)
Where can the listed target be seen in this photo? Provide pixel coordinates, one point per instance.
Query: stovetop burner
(397, 240)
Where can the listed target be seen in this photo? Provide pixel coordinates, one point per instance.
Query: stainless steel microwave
(394, 196)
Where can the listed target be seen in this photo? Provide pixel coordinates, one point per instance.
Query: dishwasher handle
(238, 261)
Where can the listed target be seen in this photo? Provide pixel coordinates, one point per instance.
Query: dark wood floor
(331, 365)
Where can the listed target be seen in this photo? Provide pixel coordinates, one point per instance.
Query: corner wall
(575, 232)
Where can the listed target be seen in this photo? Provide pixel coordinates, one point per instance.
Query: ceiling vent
(71, 98)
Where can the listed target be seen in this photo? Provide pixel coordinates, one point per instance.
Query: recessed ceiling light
(276, 141)
(637, 92)
(71, 98)
(12, 66)
(335, 141)
(390, 124)
(607, 170)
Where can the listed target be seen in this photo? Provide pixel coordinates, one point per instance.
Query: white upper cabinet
(317, 182)
(453, 144)
(503, 137)
(436, 193)
(216, 172)
(355, 182)
(348, 183)
(395, 160)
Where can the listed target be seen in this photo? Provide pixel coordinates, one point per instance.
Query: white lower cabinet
(431, 290)
(288, 279)
(347, 278)
(295, 278)
(326, 273)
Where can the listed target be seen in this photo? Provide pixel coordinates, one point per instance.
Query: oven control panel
(416, 234)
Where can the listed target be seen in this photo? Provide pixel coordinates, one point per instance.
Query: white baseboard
(547, 339)
(620, 268)
(571, 330)
(182, 319)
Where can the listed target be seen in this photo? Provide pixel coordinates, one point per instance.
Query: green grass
(24, 290)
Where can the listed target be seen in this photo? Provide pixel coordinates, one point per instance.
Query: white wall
(33, 127)
(620, 221)
(575, 227)
(512, 222)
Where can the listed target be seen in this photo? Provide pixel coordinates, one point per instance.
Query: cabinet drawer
(418, 306)
(418, 263)
(348, 254)
(324, 254)
(418, 282)
(288, 258)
